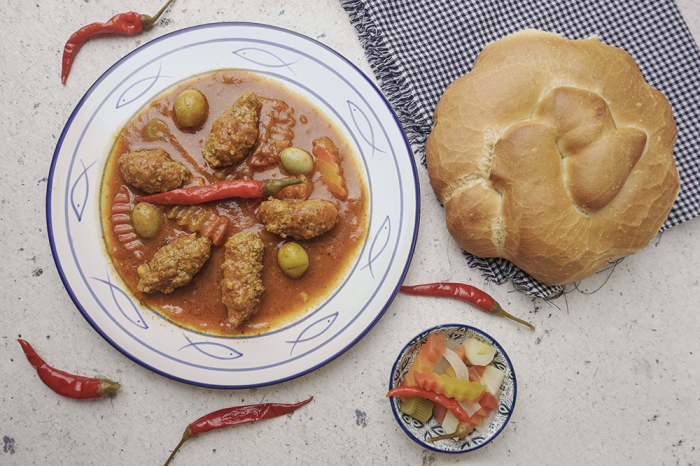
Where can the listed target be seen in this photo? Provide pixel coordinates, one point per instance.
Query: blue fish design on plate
(264, 58)
(384, 234)
(124, 304)
(79, 192)
(319, 327)
(363, 126)
(138, 89)
(307, 67)
(214, 350)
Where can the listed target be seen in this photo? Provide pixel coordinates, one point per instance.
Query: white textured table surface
(611, 377)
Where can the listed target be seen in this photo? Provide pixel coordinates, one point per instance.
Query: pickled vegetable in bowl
(455, 389)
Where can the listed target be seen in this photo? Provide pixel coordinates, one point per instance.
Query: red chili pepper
(124, 23)
(447, 402)
(466, 293)
(233, 416)
(221, 190)
(65, 384)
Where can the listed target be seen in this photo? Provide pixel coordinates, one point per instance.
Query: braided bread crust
(554, 154)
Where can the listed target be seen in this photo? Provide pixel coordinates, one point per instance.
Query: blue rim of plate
(505, 410)
(86, 314)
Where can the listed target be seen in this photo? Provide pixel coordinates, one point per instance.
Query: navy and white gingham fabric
(416, 48)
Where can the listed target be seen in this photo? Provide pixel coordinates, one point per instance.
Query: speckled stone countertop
(610, 376)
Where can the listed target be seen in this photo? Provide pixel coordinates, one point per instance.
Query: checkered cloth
(417, 47)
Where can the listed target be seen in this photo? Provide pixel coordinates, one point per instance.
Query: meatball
(234, 133)
(300, 219)
(242, 285)
(174, 264)
(152, 171)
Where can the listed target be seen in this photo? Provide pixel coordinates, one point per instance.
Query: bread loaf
(554, 154)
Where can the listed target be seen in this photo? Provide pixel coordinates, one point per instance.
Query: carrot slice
(461, 352)
(328, 164)
(439, 411)
(488, 402)
(202, 220)
(429, 354)
(476, 372)
(432, 351)
(429, 381)
(121, 223)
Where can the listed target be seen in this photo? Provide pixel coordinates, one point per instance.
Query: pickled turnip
(478, 353)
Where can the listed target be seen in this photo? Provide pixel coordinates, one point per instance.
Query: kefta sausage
(199, 305)
(242, 285)
(298, 218)
(152, 171)
(234, 133)
(174, 265)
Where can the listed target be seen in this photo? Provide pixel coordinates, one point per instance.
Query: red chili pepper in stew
(233, 416)
(443, 400)
(466, 293)
(63, 383)
(124, 23)
(221, 190)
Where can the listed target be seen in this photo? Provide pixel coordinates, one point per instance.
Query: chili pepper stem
(107, 386)
(273, 187)
(462, 431)
(497, 309)
(149, 21)
(185, 437)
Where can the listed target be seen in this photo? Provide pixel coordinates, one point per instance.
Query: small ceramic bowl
(420, 432)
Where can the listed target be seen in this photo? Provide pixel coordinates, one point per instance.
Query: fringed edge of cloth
(392, 82)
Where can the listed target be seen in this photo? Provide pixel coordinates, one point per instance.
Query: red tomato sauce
(198, 305)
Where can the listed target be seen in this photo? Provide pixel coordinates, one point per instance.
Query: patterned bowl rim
(414, 341)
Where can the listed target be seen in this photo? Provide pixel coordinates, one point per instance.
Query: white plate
(303, 64)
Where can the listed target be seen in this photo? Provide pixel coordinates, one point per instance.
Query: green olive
(191, 109)
(297, 161)
(147, 220)
(143, 270)
(293, 260)
(156, 129)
